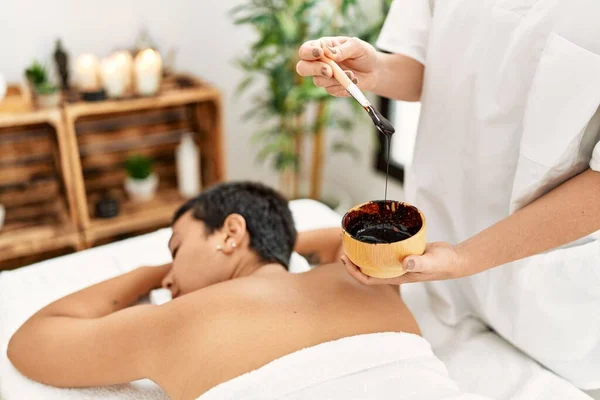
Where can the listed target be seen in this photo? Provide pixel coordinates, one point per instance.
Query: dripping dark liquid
(387, 167)
(382, 222)
(384, 126)
(383, 233)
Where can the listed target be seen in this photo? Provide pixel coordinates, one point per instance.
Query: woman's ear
(235, 230)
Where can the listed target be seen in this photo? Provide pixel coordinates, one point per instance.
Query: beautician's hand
(440, 261)
(356, 57)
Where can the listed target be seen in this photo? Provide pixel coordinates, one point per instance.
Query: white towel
(377, 366)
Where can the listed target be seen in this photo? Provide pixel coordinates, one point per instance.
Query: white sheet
(480, 361)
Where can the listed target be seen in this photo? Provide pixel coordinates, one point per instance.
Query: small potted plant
(46, 93)
(141, 182)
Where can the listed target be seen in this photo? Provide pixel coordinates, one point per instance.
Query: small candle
(114, 78)
(124, 63)
(148, 72)
(86, 72)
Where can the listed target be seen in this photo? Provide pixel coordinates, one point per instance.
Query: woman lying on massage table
(235, 306)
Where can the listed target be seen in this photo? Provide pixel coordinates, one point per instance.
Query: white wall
(206, 42)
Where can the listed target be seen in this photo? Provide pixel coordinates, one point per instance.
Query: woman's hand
(152, 277)
(320, 246)
(356, 57)
(440, 261)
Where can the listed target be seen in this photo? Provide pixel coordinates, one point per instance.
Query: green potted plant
(46, 93)
(141, 182)
(289, 107)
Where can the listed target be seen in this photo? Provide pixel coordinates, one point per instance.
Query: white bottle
(188, 167)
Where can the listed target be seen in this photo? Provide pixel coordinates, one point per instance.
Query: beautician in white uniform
(506, 162)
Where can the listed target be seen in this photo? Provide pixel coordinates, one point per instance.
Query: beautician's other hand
(440, 261)
(356, 57)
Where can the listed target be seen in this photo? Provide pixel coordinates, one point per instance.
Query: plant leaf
(288, 26)
(264, 134)
(305, 6)
(345, 5)
(266, 151)
(244, 84)
(239, 8)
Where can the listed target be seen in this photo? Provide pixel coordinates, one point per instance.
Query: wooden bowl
(383, 260)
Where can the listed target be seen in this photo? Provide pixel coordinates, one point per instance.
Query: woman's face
(199, 258)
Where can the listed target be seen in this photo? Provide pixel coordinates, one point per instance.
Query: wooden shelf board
(166, 99)
(135, 216)
(36, 239)
(50, 115)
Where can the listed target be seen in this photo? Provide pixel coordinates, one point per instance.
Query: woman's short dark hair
(268, 218)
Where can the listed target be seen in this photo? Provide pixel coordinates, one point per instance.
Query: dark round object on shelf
(97, 95)
(107, 208)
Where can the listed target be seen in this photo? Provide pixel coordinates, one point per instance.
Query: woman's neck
(255, 266)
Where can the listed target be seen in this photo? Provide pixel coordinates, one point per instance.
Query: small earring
(233, 245)
(219, 247)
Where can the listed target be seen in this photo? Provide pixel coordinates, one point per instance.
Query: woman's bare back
(240, 325)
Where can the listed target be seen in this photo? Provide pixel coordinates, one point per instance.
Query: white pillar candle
(124, 63)
(86, 72)
(113, 77)
(148, 72)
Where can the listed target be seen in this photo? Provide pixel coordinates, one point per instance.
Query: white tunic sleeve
(406, 29)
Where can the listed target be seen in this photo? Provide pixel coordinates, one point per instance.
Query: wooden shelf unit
(102, 135)
(35, 185)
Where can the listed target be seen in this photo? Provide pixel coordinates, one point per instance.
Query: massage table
(480, 361)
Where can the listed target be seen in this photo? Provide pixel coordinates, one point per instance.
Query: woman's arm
(398, 77)
(88, 338)
(564, 215)
(567, 213)
(109, 296)
(320, 246)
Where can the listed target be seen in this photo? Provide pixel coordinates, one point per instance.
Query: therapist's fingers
(332, 86)
(314, 49)
(354, 271)
(417, 264)
(310, 50)
(324, 82)
(439, 261)
(357, 274)
(313, 68)
(337, 91)
(348, 48)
